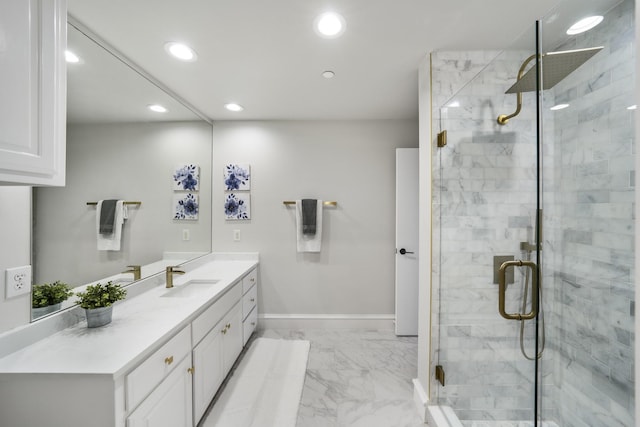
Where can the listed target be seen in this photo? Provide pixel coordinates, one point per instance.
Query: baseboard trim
(421, 399)
(326, 321)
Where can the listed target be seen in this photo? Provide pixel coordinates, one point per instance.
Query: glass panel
(588, 195)
(485, 210)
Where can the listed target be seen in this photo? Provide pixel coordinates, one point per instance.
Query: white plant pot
(42, 311)
(97, 317)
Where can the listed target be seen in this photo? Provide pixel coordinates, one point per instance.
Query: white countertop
(140, 325)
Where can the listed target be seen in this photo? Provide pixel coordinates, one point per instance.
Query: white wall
(351, 162)
(15, 232)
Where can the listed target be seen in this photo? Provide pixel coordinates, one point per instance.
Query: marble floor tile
(356, 378)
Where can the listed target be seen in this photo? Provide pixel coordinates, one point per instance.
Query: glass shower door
(485, 213)
(553, 185)
(588, 197)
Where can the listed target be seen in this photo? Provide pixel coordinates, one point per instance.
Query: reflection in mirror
(119, 149)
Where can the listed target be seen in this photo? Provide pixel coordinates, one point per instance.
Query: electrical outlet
(185, 234)
(18, 281)
(236, 235)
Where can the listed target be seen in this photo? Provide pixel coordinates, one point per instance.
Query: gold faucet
(135, 269)
(171, 270)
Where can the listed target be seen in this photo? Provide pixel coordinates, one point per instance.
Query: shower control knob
(404, 251)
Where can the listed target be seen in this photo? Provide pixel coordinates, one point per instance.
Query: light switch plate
(18, 281)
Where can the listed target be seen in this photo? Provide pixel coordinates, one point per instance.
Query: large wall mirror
(117, 148)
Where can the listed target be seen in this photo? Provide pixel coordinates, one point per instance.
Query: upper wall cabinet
(33, 38)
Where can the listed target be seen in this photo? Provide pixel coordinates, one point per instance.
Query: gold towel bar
(292, 202)
(126, 203)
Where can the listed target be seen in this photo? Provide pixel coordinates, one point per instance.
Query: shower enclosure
(544, 204)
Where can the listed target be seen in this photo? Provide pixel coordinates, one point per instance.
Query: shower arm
(503, 118)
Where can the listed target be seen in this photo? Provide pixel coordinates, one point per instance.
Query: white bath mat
(266, 388)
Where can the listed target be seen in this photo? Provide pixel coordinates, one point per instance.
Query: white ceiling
(266, 56)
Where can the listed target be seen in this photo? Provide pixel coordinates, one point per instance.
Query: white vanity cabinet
(159, 363)
(249, 305)
(170, 404)
(146, 377)
(33, 92)
(208, 373)
(217, 339)
(232, 339)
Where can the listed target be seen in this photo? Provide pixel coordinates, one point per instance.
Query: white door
(406, 241)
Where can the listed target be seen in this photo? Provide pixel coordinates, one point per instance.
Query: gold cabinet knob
(168, 360)
(253, 323)
(253, 279)
(191, 370)
(252, 300)
(228, 325)
(224, 331)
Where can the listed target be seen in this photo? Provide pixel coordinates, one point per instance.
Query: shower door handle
(502, 283)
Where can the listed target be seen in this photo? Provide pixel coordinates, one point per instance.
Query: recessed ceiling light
(328, 74)
(632, 107)
(330, 25)
(559, 107)
(71, 57)
(233, 107)
(157, 108)
(180, 51)
(584, 24)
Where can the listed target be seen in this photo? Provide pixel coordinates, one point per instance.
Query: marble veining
(484, 205)
(356, 378)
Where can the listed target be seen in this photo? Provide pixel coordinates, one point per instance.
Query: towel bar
(292, 202)
(126, 203)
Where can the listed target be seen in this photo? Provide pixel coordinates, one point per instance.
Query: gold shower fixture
(555, 67)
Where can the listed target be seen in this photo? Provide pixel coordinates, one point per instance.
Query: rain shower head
(555, 67)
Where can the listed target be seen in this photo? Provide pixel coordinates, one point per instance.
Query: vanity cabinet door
(232, 341)
(33, 92)
(208, 370)
(170, 405)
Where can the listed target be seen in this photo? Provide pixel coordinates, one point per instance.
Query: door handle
(502, 283)
(404, 251)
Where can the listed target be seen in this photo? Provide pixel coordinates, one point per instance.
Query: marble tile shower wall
(484, 205)
(591, 325)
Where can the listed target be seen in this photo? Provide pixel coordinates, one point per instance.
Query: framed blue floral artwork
(237, 177)
(187, 178)
(186, 206)
(237, 206)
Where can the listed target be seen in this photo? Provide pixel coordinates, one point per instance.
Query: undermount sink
(189, 289)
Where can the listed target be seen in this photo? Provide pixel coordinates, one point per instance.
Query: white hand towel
(111, 242)
(305, 242)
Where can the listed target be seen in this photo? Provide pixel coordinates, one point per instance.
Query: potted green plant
(97, 301)
(48, 297)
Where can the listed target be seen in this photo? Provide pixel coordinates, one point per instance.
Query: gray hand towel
(309, 207)
(107, 216)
